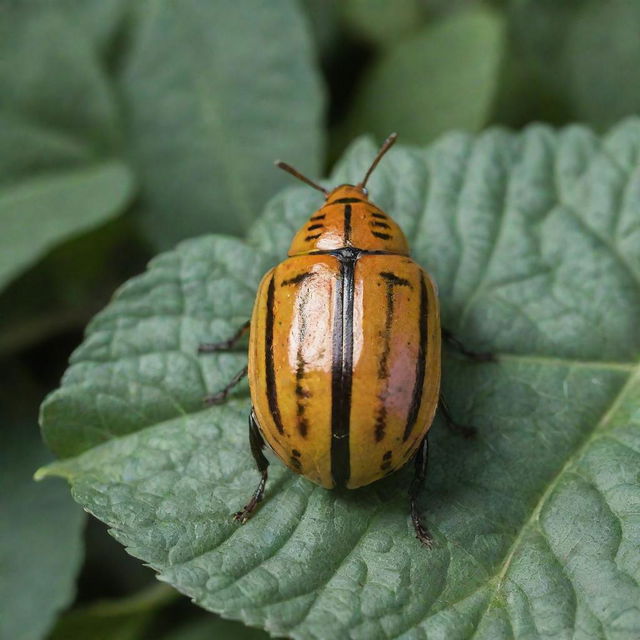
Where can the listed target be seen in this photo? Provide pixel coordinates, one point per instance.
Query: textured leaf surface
(40, 538)
(216, 92)
(443, 77)
(534, 240)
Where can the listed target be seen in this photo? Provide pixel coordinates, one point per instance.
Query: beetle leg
(220, 396)
(421, 459)
(461, 429)
(224, 345)
(257, 444)
(477, 356)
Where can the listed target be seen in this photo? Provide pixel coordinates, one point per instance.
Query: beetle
(344, 351)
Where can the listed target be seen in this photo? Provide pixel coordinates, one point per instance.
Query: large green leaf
(214, 93)
(445, 76)
(534, 239)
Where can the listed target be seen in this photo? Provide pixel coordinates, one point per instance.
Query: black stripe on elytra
(269, 365)
(313, 237)
(380, 225)
(315, 226)
(320, 216)
(296, 279)
(391, 281)
(345, 201)
(347, 224)
(384, 236)
(382, 216)
(416, 398)
(301, 392)
(342, 369)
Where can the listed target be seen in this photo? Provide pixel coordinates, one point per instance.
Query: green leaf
(534, 239)
(383, 22)
(602, 53)
(215, 92)
(40, 213)
(52, 80)
(59, 133)
(576, 59)
(40, 538)
(443, 77)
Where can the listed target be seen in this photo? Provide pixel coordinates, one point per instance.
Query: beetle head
(353, 222)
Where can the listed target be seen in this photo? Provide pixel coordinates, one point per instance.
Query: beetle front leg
(224, 345)
(421, 460)
(257, 444)
(477, 356)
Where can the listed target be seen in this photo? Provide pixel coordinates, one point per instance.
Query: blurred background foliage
(126, 127)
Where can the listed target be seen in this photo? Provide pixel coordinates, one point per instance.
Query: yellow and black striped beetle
(344, 351)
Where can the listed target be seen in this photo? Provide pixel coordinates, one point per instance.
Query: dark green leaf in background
(124, 619)
(214, 92)
(172, 89)
(216, 629)
(52, 82)
(59, 132)
(575, 60)
(534, 239)
(383, 22)
(602, 54)
(40, 213)
(40, 538)
(446, 75)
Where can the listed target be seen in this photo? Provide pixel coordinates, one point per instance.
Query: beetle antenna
(386, 145)
(294, 172)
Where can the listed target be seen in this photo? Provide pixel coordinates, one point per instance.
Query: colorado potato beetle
(344, 351)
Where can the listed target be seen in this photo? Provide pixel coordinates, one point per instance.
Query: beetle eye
(365, 191)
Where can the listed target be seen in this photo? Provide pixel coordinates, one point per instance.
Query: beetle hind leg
(421, 460)
(224, 345)
(257, 444)
(220, 396)
(463, 430)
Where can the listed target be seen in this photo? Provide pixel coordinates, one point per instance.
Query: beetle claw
(241, 516)
(423, 535)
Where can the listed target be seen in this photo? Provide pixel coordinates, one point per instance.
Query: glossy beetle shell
(344, 349)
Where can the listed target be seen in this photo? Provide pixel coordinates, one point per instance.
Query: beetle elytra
(344, 351)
